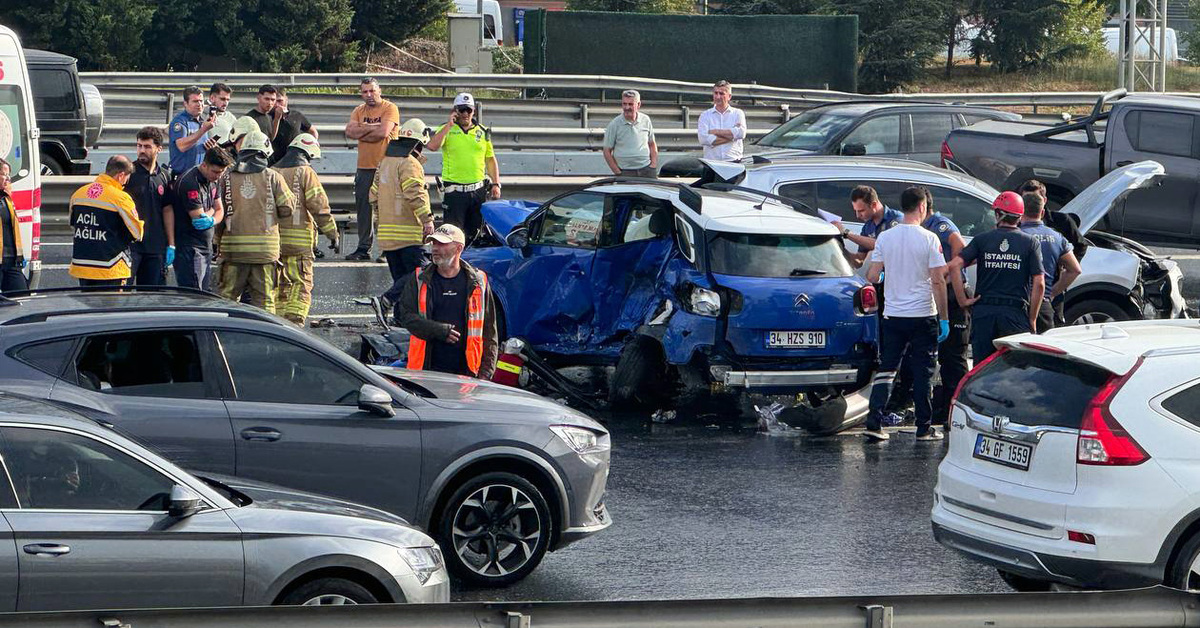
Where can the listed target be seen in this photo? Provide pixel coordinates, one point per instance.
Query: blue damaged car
(686, 293)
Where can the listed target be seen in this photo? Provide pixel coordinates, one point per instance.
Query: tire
(328, 592)
(1023, 584)
(51, 167)
(1183, 573)
(482, 548)
(641, 376)
(1095, 311)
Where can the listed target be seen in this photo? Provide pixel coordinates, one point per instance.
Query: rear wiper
(806, 272)
(1004, 402)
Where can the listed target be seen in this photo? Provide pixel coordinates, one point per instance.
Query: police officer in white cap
(467, 155)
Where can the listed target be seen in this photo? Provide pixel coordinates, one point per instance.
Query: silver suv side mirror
(184, 502)
(375, 400)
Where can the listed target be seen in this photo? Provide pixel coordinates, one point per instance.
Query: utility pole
(1143, 24)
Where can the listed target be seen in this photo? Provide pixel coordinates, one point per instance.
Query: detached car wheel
(495, 530)
(641, 377)
(1095, 311)
(329, 592)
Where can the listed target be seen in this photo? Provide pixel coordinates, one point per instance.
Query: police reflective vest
(475, 314)
(255, 202)
(105, 221)
(297, 237)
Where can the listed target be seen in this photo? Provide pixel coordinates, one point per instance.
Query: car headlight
(424, 561)
(704, 302)
(580, 440)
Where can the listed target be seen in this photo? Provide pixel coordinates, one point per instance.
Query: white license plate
(1007, 453)
(796, 339)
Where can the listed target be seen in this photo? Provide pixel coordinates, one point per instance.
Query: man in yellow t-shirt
(373, 123)
(466, 153)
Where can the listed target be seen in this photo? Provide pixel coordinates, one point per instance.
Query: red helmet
(1009, 203)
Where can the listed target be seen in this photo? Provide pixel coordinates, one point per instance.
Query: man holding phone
(467, 154)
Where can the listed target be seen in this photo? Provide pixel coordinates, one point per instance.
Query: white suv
(1074, 458)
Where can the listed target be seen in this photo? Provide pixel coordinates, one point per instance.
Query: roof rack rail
(41, 317)
(686, 193)
(799, 206)
(86, 289)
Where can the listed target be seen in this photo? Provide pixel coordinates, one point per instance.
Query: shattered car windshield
(807, 131)
(764, 255)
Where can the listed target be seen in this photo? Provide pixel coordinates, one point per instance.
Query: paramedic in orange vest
(449, 310)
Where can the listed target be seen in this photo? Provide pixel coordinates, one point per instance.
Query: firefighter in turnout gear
(256, 200)
(297, 234)
(105, 221)
(401, 199)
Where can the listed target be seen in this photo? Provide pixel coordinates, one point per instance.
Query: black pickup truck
(1068, 157)
(68, 114)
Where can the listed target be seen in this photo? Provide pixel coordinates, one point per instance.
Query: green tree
(286, 35)
(1021, 34)
(633, 6)
(771, 7)
(102, 34)
(896, 39)
(1191, 39)
(395, 21)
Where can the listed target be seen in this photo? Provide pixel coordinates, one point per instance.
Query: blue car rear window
(765, 255)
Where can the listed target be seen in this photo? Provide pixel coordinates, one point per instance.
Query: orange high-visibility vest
(475, 313)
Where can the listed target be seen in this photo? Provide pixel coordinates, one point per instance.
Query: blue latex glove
(202, 223)
(170, 255)
(24, 263)
(943, 330)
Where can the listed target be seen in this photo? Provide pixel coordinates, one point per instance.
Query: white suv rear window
(1033, 389)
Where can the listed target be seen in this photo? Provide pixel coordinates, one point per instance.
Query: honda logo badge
(999, 423)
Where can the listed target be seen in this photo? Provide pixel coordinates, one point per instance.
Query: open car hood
(1095, 201)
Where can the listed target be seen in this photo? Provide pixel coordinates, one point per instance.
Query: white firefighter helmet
(222, 130)
(307, 143)
(244, 125)
(257, 141)
(415, 129)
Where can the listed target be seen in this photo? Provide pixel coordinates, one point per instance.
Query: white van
(19, 147)
(493, 25)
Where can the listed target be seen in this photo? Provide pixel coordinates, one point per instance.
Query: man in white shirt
(722, 128)
(914, 312)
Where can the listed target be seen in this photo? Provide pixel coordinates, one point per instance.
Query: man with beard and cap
(150, 188)
(297, 234)
(450, 312)
(256, 199)
(401, 198)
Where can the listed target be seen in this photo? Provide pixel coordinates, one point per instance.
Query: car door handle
(47, 549)
(575, 270)
(264, 434)
(1123, 163)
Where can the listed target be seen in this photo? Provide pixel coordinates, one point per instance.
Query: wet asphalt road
(704, 512)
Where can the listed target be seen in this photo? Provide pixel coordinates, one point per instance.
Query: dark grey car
(95, 520)
(497, 475)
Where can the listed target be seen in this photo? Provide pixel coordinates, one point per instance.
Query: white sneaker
(932, 434)
(876, 435)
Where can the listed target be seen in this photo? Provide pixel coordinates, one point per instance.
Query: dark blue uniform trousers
(989, 322)
(913, 340)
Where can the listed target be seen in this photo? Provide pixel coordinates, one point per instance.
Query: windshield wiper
(807, 272)
(1004, 402)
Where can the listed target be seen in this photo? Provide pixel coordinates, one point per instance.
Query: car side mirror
(518, 238)
(376, 401)
(184, 502)
(854, 150)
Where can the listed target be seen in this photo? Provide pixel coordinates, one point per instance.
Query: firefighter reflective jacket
(105, 221)
(255, 203)
(400, 195)
(480, 338)
(297, 235)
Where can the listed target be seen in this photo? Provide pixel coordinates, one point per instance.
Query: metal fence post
(170, 105)
(878, 616)
(684, 110)
(583, 115)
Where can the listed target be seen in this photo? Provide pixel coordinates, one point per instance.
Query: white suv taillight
(1102, 440)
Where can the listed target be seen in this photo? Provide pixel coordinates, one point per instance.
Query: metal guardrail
(333, 136)
(1143, 608)
(596, 84)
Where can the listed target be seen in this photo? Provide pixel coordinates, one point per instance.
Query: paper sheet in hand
(828, 216)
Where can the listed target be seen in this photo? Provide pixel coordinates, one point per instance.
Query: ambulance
(19, 147)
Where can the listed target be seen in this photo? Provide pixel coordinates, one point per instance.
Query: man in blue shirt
(187, 134)
(952, 352)
(876, 219)
(1009, 282)
(1058, 258)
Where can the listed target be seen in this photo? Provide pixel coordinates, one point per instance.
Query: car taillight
(866, 300)
(978, 367)
(1102, 440)
(946, 153)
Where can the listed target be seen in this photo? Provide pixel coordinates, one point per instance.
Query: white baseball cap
(464, 99)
